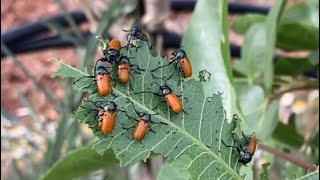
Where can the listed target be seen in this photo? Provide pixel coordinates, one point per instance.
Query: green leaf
(203, 42)
(260, 116)
(197, 132)
(176, 170)
(293, 35)
(271, 25)
(253, 51)
(80, 162)
(241, 23)
(297, 30)
(288, 135)
(314, 12)
(310, 176)
(292, 66)
(314, 57)
(264, 175)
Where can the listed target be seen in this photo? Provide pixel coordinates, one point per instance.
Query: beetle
(247, 151)
(107, 114)
(143, 123)
(124, 69)
(170, 97)
(112, 53)
(135, 33)
(102, 70)
(183, 64)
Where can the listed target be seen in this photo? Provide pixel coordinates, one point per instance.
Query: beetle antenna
(162, 78)
(156, 83)
(134, 108)
(165, 81)
(162, 66)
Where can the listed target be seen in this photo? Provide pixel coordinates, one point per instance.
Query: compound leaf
(196, 132)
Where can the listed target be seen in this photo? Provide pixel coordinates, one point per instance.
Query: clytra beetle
(124, 69)
(135, 33)
(142, 125)
(170, 97)
(107, 114)
(247, 151)
(102, 70)
(112, 53)
(183, 64)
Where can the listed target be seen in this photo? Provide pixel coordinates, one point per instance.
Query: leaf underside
(197, 132)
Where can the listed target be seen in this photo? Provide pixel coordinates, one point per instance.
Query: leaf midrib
(196, 141)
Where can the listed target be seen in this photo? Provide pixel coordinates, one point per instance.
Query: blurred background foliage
(38, 133)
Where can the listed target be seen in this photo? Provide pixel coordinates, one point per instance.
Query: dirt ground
(13, 80)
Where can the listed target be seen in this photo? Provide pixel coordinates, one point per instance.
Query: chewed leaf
(264, 174)
(102, 43)
(196, 132)
(176, 170)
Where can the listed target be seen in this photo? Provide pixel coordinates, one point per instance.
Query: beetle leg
(180, 81)
(130, 86)
(158, 105)
(159, 123)
(243, 135)
(126, 30)
(131, 117)
(88, 108)
(185, 111)
(95, 125)
(134, 108)
(147, 92)
(122, 110)
(89, 84)
(152, 130)
(83, 78)
(162, 66)
(138, 68)
(126, 128)
(230, 146)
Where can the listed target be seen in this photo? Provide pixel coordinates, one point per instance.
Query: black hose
(23, 38)
(239, 8)
(30, 30)
(55, 41)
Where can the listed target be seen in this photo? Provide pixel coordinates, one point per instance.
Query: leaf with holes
(175, 170)
(196, 132)
(264, 175)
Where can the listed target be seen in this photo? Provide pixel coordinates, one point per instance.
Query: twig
(302, 87)
(288, 157)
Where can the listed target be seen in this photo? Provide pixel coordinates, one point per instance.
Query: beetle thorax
(146, 118)
(165, 90)
(179, 54)
(113, 54)
(135, 31)
(244, 157)
(124, 60)
(110, 107)
(101, 70)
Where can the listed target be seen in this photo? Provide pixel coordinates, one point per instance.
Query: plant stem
(288, 157)
(302, 87)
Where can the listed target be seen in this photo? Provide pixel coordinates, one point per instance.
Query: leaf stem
(288, 157)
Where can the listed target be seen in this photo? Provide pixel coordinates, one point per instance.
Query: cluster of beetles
(107, 110)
